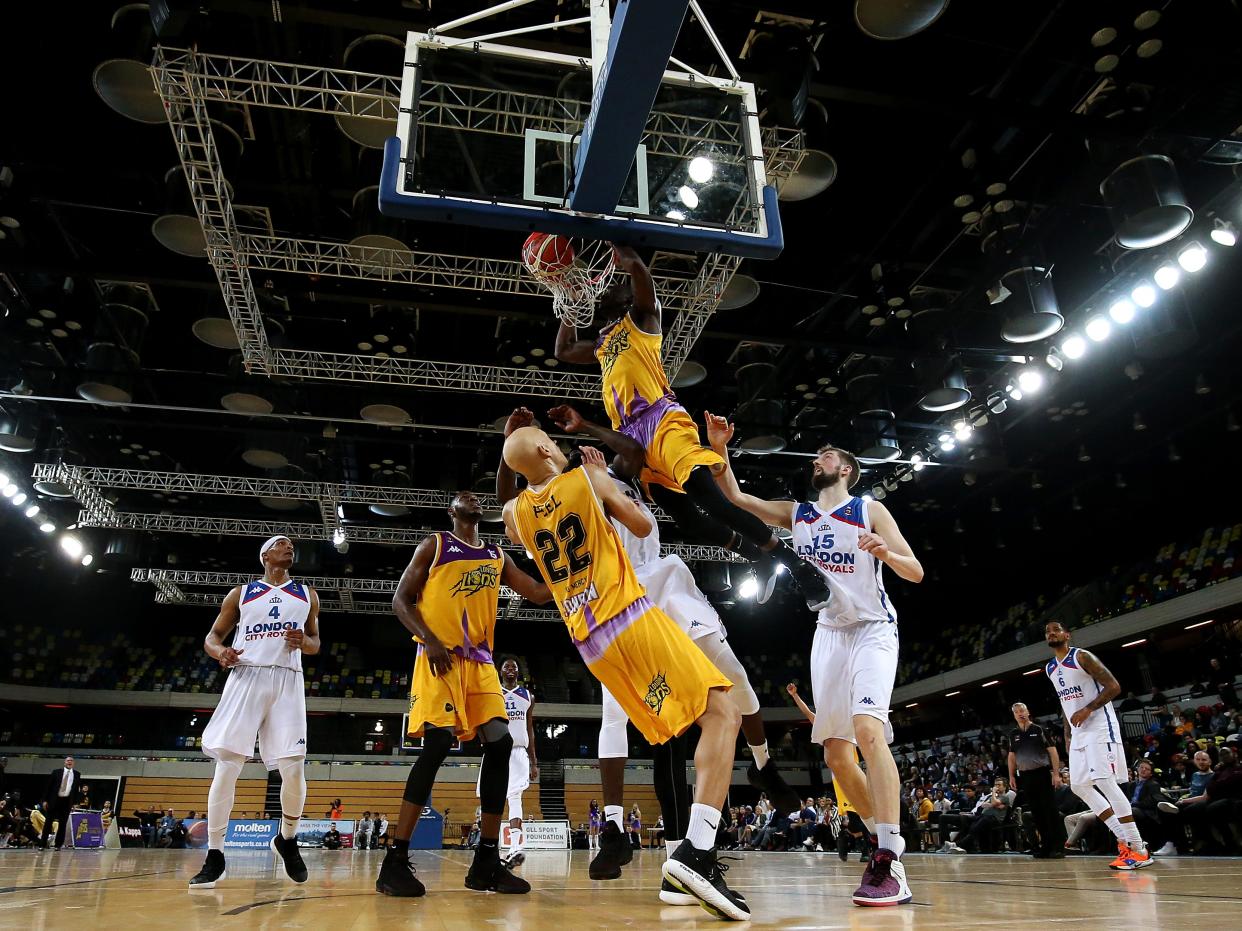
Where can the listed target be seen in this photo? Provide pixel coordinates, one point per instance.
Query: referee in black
(1035, 770)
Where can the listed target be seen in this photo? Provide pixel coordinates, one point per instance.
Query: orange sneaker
(1130, 859)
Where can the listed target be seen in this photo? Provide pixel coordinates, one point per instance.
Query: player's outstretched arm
(773, 513)
(523, 584)
(1110, 688)
(616, 504)
(506, 478)
(885, 542)
(630, 456)
(226, 620)
(569, 348)
(646, 309)
(802, 706)
(405, 606)
(307, 639)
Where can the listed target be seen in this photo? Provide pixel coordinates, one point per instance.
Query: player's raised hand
(566, 418)
(294, 638)
(791, 689)
(872, 543)
(624, 255)
(229, 657)
(521, 417)
(719, 430)
(592, 456)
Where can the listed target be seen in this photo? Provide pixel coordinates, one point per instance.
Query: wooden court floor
(136, 889)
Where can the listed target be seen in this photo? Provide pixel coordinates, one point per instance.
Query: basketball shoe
(1130, 858)
(287, 850)
(701, 874)
(614, 852)
(883, 882)
(396, 876)
(488, 874)
(211, 873)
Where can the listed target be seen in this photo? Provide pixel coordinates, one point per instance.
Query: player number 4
(275, 612)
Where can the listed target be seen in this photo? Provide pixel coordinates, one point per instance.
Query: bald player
(634, 649)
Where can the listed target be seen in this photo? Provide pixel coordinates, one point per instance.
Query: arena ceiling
(959, 156)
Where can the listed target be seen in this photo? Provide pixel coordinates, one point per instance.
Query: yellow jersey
(458, 603)
(579, 553)
(636, 390)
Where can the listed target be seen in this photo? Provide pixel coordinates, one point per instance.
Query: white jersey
(829, 542)
(1075, 687)
(642, 551)
(517, 705)
(266, 613)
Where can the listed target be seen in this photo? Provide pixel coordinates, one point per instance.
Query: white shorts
(519, 780)
(268, 702)
(670, 584)
(1095, 759)
(853, 670)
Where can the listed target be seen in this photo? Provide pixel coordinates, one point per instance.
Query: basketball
(547, 255)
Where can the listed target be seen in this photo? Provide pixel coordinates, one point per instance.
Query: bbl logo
(476, 580)
(617, 343)
(657, 691)
(413, 699)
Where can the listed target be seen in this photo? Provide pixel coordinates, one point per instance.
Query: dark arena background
(996, 261)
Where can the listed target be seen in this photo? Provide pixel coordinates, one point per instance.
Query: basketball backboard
(489, 135)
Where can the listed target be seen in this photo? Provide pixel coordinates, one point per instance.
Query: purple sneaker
(883, 882)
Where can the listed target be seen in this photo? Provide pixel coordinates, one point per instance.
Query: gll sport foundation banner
(86, 828)
(311, 832)
(249, 834)
(540, 835)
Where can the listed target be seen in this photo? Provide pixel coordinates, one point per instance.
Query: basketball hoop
(576, 271)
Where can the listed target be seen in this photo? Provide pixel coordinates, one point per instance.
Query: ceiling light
(913, 704)
(1199, 624)
(1143, 294)
(72, 545)
(1192, 257)
(675, 215)
(4, 478)
(1098, 329)
(688, 197)
(916, 462)
(1053, 360)
(988, 685)
(87, 559)
(1134, 643)
(701, 169)
(878, 492)
(748, 587)
(1014, 392)
(1223, 232)
(1074, 347)
(1083, 456)
(9, 490)
(951, 694)
(19, 499)
(1035, 671)
(867, 497)
(962, 431)
(32, 510)
(1167, 276)
(47, 526)
(1030, 379)
(1122, 311)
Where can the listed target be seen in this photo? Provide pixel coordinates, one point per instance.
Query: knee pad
(437, 741)
(613, 741)
(1086, 791)
(495, 731)
(1113, 796)
(494, 776)
(515, 808)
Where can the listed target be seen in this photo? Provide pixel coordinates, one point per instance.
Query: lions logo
(657, 691)
(617, 343)
(413, 700)
(476, 580)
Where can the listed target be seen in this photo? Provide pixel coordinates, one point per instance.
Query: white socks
(220, 801)
(669, 847)
(704, 821)
(1130, 834)
(515, 840)
(761, 754)
(889, 838)
(615, 813)
(292, 794)
(869, 823)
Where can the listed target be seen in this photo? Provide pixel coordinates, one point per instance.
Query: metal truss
(187, 81)
(334, 606)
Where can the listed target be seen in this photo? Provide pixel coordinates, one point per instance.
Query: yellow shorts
(674, 450)
(655, 672)
(463, 699)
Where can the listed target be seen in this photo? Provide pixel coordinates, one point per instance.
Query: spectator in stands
(381, 832)
(1130, 703)
(958, 819)
(636, 827)
(1145, 795)
(332, 839)
(657, 836)
(995, 810)
(335, 812)
(803, 824)
(362, 833)
(1217, 817)
(163, 828)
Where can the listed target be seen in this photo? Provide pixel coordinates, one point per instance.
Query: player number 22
(573, 535)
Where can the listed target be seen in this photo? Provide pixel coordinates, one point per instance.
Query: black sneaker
(287, 850)
(769, 780)
(488, 874)
(765, 570)
(699, 873)
(614, 852)
(812, 584)
(396, 876)
(211, 873)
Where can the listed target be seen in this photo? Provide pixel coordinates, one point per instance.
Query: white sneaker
(1168, 808)
(809, 843)
(819, 848)
(954, 848)
(1168, 850)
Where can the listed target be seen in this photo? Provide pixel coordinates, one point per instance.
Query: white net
(576, 271)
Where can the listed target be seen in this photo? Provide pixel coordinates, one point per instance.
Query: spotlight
(1074, 347)
(878, 492)
(688, 197)
(1014, 392)
(1223, 232)
(72, 545)
(675, 215)
(997, 403)
(1122, 311)
(19, 499)
(32, 510)
(962, 431)
(748, 587)
(4, 478)
(1192, 257)
(338, 536)
(946, 442)
(87, 559)
(1167, 276)
(1143, 294)
(1098, 329)
(701, 169)
(867, 497)
(1054, 361)
(9, 490)
(916, 462)
(47, 526)
(1030, 379)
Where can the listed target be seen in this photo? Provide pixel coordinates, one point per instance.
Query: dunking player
(854, 653)
(447, 599)
(632, 647)
(277, 620)
(523, 770)
(1097, 759)
(677, 469)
